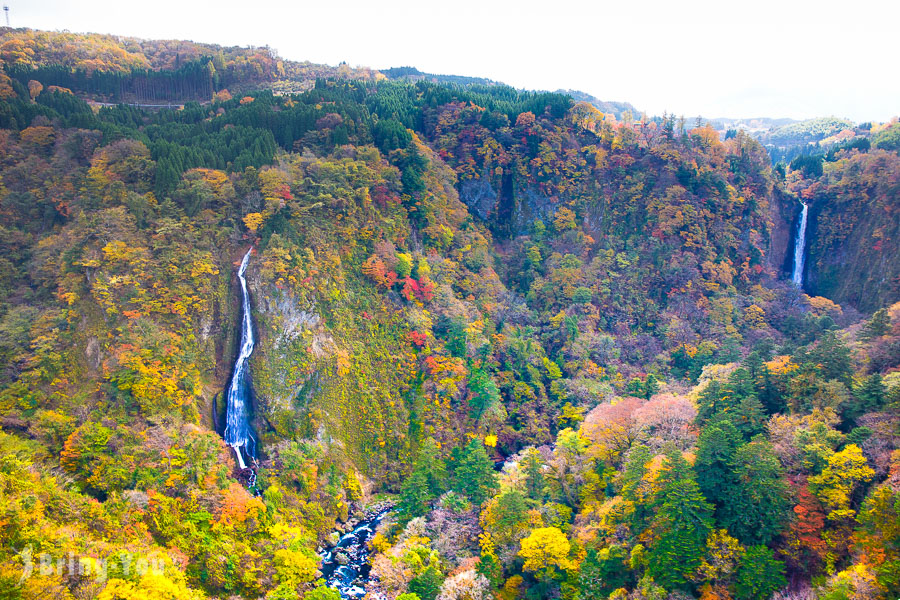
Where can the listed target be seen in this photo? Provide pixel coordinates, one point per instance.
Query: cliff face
(784, 211)
(512, 209)
(290, 343)
(854, 229)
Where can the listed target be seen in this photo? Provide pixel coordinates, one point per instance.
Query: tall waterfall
(800, 248)
(237, 428)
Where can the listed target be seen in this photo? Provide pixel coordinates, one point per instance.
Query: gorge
(582, 355)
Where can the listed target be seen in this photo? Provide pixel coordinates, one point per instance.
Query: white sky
(716, 58)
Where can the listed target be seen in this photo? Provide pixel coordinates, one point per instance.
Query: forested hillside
(120, 69)
(562, 343)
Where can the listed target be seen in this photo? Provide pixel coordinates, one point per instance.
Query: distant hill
(115, 69)
(810, 130)
(414, 74)
(616, 108)
(786, 139)
(752, 125)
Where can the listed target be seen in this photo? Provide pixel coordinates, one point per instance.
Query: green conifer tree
(759, 575)
(755, 503)
(680, 527)
(427, 584)
(426, 482)
(715, 451)
(474, 476)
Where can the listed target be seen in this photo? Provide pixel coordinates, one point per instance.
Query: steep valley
(564, 346)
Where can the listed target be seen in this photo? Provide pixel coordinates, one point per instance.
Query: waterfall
(237, 428)
(800, 248)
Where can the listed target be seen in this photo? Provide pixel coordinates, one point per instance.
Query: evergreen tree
(474, 477)
(489, 566)
(674, 470)
(427, 584)
(535, 482)
(415, 497)
(319, 593)
(511, 511)
(456, 338)
(651, 386)
(413, 166)
(871, 395)
(830, 357)
(735, 401)
(877, 326)
(680, 528)
(633, 488)
(759, 575)
(768, 393)
(635, 469)
(755, 502)
(715, 452)
(426, 482)
(485, 394)
(602, 572)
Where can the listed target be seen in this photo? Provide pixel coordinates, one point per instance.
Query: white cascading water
(800, 248)
(237, 428)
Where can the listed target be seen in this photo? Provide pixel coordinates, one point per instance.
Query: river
(346, 567)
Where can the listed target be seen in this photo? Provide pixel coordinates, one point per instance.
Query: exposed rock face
(512, 210)
(290, 335)
(479, 196)
(858, 268)
(784, 211)
(531, 205)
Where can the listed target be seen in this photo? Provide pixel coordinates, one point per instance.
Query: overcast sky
(715, 58)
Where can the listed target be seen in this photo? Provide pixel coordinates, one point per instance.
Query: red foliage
(383, 197)
(410, 289)
(426, 290)
(375, 268)
(284, 191)
(422, 290)
(417, 339)
(805, 547)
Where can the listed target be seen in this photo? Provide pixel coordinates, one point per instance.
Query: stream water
(237, 429)
(800, 248)
(346, 567)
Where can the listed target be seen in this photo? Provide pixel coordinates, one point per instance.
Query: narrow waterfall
(237, 428)
(800, 248)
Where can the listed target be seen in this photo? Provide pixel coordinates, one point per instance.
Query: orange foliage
(238, 505)
(525, 119)
(375, 269)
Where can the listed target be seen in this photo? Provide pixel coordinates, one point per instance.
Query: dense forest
(562, 345)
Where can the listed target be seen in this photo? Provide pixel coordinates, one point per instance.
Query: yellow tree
(546, 550)
(834, 486)
(34, 88)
